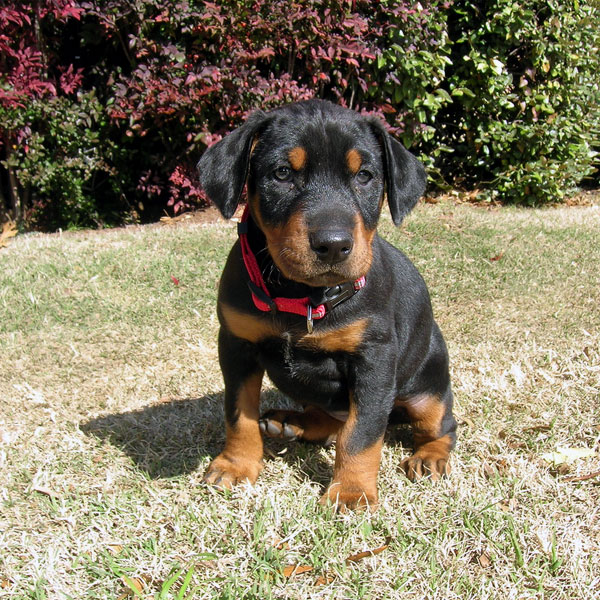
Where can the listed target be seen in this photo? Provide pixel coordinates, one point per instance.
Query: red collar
(300, 306)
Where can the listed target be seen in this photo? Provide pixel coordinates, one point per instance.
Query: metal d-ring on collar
(312, 307)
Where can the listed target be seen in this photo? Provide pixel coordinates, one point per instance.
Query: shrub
(58, 160)
(50, 134)
(198, 70)
(410, 70)
(525, 115)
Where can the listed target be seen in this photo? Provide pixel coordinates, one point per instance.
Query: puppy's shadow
(165, 439)
(173, 438)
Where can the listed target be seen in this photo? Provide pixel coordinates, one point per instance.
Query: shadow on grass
(165, 439)
(174, 438)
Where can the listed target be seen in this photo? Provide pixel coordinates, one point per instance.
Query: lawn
(111, 409)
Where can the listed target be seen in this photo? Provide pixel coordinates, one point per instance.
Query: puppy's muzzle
(331, 246)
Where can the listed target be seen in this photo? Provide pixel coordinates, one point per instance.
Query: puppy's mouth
(304, 267)
(328, 279)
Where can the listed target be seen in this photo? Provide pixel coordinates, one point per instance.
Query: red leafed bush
(167, 78)
(196, 70)
(161, 80)
(48, 141)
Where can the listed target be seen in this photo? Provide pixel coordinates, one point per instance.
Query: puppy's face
(316, 188)
(316, 177)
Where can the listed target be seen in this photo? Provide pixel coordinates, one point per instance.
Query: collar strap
(312, 307)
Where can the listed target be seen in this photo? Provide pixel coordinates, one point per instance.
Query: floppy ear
(223, 167)
(405, 175)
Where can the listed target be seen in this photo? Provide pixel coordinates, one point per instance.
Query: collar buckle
(309, 319)
(331, 297)
(338, 294)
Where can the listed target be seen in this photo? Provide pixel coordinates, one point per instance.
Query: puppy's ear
(223, 167)
(405, 175)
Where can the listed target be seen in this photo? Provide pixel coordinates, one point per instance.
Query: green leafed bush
(525, 83)
(57, 165)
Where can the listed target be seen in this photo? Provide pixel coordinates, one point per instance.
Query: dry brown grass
(110, 409)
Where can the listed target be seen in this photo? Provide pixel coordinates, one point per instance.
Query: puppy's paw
(344, 498)
(282, 424)
(313, 425)
(225, 472)
(424, 464)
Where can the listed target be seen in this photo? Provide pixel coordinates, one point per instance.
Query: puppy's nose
(331, 245)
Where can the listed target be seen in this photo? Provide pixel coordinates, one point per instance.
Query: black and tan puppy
(339, 319)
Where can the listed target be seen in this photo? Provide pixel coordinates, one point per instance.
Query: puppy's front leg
(434, 432)
(241, 459)
(354, 484)
(359, 441)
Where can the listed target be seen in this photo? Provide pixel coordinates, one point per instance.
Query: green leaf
(462, 91)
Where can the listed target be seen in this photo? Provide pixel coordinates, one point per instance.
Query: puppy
(339, 319)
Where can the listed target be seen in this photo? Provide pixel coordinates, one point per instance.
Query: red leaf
(296, 570)
(367, 553)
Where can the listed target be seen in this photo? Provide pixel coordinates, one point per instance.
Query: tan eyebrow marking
(353, 160)
(297, 158)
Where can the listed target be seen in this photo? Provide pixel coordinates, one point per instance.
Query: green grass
(110, 410)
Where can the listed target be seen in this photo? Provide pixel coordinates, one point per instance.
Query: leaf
(484, 560)
(9, 230)
(462, 91)
(501, 253)
(367, 553)
(508, 506)
(295, 570)
(115, 549)
(175, 280)
(567, 455)
(583, 477)
(135, 584)
(46, 491)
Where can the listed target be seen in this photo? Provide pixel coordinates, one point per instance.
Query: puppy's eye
(282, 173)
(363, 177)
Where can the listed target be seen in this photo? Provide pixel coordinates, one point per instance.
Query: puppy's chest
(285, 356)
(307, 375)
(326, 338)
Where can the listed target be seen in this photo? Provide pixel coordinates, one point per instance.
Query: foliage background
(105, 107)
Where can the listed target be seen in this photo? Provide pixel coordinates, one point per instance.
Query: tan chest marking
(254, 329)
(343, 339)
(248, 327)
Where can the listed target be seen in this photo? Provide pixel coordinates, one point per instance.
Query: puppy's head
(317, 175)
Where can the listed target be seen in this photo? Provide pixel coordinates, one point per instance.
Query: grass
(110, 410)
